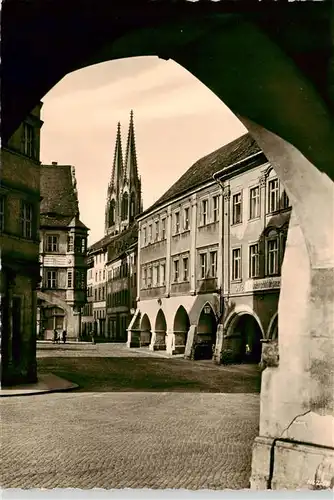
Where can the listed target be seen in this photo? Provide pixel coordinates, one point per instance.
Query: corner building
(63, 247)
(192, 269)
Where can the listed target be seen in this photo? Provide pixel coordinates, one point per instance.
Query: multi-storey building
(20, 273)
(96, 292)
(88, 325)
(63, 247)
(256, 219)
(113, 289)
(186, 242)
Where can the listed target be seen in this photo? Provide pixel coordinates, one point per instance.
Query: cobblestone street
(128, 439)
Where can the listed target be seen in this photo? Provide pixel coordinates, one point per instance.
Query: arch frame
(235, 315)
(271, 326)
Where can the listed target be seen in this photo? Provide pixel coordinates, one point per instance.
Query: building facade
(113, 275)
(190, 272)
(63, 247)
(19, 240)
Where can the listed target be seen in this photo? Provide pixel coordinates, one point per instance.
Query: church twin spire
(124, 190)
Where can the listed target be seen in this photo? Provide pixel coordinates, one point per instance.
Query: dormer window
(28, 140)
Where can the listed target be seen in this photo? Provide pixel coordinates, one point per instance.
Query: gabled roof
(58, 191)
(202, 171)
(59, 205)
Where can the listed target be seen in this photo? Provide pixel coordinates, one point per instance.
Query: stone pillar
(295, 444)
(158, 342)
(191, 341)
(219, 344)
(176, 342)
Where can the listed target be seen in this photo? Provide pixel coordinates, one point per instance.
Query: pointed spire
(118, 160)
(130, 166)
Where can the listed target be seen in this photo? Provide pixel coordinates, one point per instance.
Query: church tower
(124, 201)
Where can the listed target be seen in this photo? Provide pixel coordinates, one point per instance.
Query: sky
(177, 121)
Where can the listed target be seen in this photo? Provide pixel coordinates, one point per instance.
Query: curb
(47, 383)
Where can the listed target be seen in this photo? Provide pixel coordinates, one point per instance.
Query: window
(215, 209)
(83, 245)
(103, 293)
(100, 275)
(273, 195)
(51, 279)
(186, 219)
(163, 228)
(272, 256)
(70, 243)
(285, 200)
(236, 264)
(52, 243)
(162, 274)
(104, 274)
(96, 275)
(150, 233)
(28, 140)
(95, 294)
(236, 215)
(176, 270)
(69, 279)
(254, 261)
(254, 202)
(177, 223)
(156, 230)
(26, 219)
(149, 277)
(144, 235)
(204, 212)
(203, 264)
(185, 268)
(2, 213)
(213, 264)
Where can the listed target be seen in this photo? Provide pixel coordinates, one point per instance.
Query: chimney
(54, 163)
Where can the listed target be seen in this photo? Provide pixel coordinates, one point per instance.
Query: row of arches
(243, 333)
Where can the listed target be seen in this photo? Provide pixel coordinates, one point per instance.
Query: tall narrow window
(163, 228)
(285, 200)
(213, 264)
(254, 261)
(28, 140)
(236, 264)
(254, 200)
(204, 212)
(236, 203)
(162, 274)
(273, 195)
(186, 219)
(215, 208)
(26, 219)
(157, 230)
(70, 243)
(144, 236)
(158, 275)
(69, 279)
(2, 213)
(149, 276)
(177, 223)
(272, 256)
(176, 270)
(52, 243)
(51, 279)
(83, 245)
(203, 264)
(150, 233)
(185, 268)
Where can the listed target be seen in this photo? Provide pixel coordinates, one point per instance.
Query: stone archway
(160, 331)
(206, 333)
(242, 343)
(180, 330)
(145, 331)
(272, 332)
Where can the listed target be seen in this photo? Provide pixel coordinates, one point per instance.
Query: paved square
(128, 439)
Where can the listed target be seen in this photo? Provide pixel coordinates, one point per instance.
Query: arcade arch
(243, 338)
(181, 327)
(145, 331)
(206, 333)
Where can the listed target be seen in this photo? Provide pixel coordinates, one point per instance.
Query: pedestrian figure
(64, 336)
(55, 336)
(93, 337)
